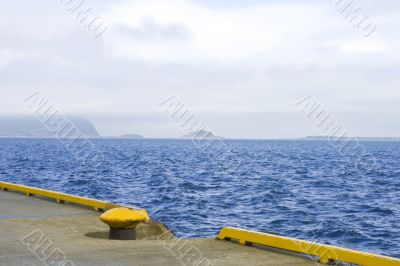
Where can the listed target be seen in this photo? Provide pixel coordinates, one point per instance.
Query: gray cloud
(223, 69)
(150, 30)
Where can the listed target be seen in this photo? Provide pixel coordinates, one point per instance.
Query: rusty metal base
(122, 234)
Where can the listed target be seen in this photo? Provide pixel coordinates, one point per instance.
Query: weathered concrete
(16, 205)
(78, 234)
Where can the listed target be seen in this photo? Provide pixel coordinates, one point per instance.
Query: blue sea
(302, 189)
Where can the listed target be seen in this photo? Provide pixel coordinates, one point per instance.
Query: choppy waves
(303, 189)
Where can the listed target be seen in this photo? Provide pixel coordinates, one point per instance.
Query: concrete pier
(38, 231)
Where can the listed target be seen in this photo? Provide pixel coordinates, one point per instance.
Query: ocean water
(302, 189)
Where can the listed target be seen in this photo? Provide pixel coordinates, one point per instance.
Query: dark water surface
(303, 189)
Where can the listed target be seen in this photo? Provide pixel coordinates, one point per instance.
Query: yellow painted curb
(60, 197)
(326, 253)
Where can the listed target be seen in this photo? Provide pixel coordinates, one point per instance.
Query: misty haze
(199, 133)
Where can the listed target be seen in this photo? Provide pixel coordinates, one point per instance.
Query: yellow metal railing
(326, 253)
(59, 197)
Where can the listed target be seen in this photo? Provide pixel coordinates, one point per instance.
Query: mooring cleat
(123, 221)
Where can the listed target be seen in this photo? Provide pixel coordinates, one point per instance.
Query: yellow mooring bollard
(123, 221)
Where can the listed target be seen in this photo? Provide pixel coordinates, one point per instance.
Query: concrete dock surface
(37, 231)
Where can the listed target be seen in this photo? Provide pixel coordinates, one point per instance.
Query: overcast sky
(238, 65)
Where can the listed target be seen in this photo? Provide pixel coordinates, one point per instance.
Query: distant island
(201, 134)
(31, 127)
(357, 138)
(131, 136)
